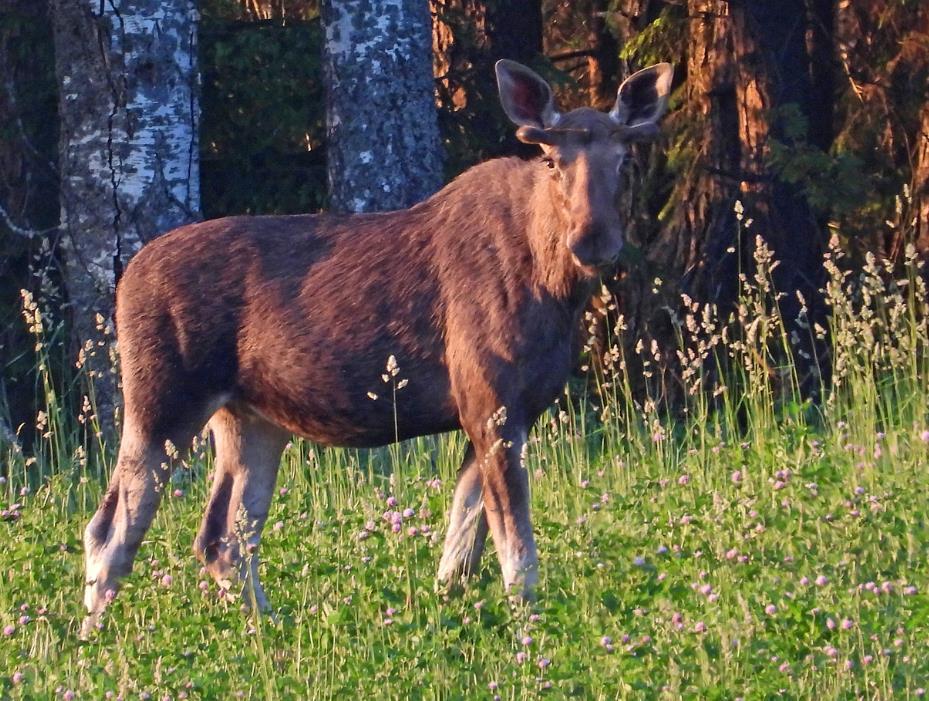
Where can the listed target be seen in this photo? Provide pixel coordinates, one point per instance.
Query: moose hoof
(90, 624)
(521, 582)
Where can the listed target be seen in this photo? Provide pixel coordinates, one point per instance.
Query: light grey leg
(248, 454)
(467, 530)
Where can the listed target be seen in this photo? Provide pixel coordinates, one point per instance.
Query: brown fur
(296, 316)
(283, 324)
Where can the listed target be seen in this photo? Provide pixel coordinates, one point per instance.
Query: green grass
(761, 548)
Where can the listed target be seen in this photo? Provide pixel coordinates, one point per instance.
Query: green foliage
(263, 124)
(833, 183)
(659, 40)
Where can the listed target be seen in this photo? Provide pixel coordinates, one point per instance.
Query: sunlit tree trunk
(688, 250)
(920, 186)
(603, 62)
(746, 62)
(469, 36)
(127, 77)
(769, 87)
(383, 148)
(882, 49)
(703, 227)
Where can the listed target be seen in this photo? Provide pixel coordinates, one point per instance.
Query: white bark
(127, 75)
(383, 148)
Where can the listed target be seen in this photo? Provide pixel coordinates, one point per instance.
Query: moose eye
(549, 163)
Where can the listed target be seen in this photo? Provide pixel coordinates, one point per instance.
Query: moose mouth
(595, 269)
(599, 265)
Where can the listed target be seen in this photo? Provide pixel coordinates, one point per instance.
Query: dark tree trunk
(746, 61)
(28, 203)
(469, 36)
(514, 30)
(475, 34)
(823, 70)
(603, 62)
(127, 77)
(705, 229)
(774, 72)
(882, 45)
(383, 146)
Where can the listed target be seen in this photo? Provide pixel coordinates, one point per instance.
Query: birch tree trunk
(383, 147)
(127, 76)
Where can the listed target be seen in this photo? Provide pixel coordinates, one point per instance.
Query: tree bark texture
(747, 60)
(127, 76)
(883, 51)
(469, 37)
(383, 150)
(28, 130)
(28, 201)
(689, 248)
(774, 70)
(697, 241)
(472, 35)
(459, 39)
(514, 29)
(603, 62)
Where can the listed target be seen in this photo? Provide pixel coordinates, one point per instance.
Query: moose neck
(555, 271)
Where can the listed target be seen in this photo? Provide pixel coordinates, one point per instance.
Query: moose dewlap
(264, 327)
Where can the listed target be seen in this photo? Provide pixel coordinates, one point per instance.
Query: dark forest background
(813, 114)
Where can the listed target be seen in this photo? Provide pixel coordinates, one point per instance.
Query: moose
(263, 327)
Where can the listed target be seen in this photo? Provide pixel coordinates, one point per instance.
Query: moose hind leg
(248, 453)
(467, 528)
(114, 534)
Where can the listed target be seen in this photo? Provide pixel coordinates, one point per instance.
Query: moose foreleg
(506, 504)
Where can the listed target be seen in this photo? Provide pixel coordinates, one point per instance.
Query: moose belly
(343, 399)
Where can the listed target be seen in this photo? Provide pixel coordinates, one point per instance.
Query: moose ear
(643, 96)
(526, 98)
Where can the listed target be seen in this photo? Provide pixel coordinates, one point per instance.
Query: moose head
(585, 150)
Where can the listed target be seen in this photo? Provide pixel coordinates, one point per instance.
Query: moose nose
(595, 249)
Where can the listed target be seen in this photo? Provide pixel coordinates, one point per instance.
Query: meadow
(745, 544)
